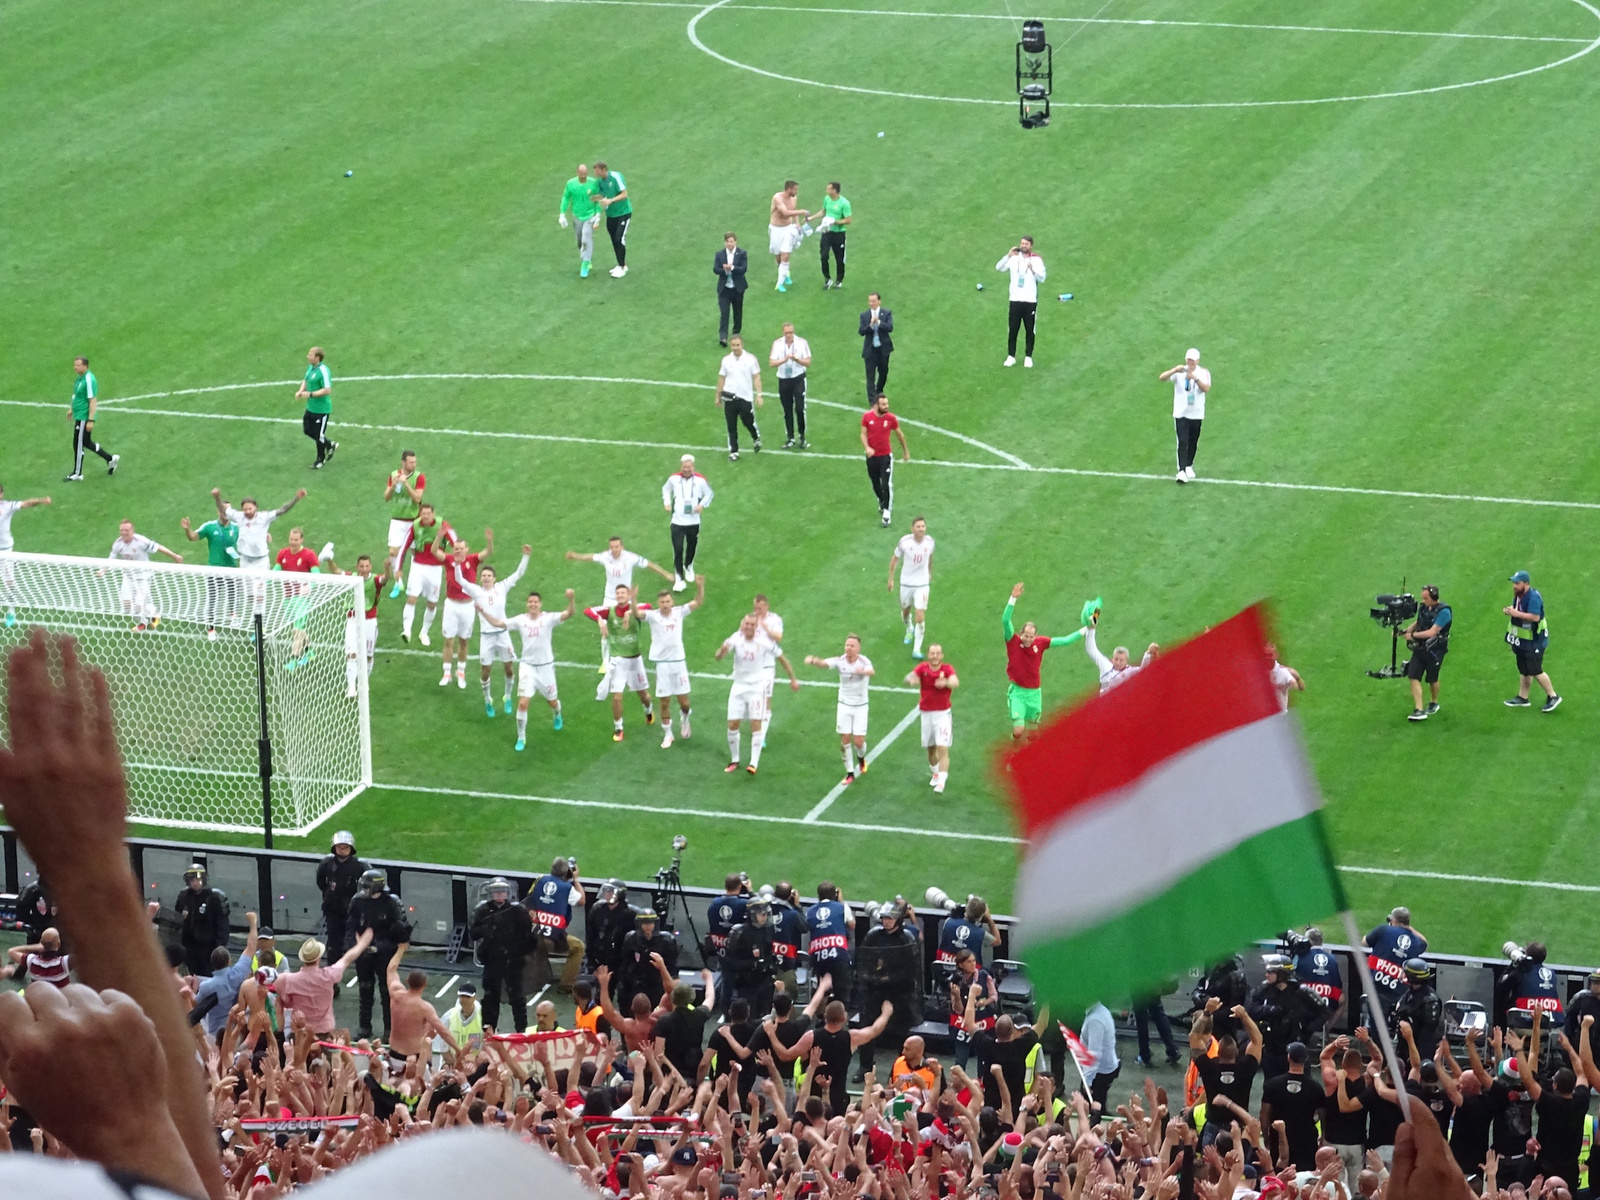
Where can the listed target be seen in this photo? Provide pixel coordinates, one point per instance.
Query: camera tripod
(669, 884)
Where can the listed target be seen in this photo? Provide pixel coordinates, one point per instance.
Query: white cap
(1192, 353)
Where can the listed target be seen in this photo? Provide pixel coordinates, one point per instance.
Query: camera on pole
(1392, 611)
(1034, 76)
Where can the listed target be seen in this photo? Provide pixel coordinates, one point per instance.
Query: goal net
(188, 704)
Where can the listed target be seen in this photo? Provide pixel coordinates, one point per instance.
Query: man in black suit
(729, 266)
(876, 345)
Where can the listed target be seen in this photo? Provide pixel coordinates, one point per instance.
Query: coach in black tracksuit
(729, 266)
(876, 345)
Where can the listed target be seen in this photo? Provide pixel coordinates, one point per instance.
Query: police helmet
(759, 906)
(646, 916)
(195, 871)
(1278, 964)
(373, 881)
(343, 838)
(613, 889)
(498, 884)
(1417, 970)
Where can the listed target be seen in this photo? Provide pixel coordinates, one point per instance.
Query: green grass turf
(1392, 294)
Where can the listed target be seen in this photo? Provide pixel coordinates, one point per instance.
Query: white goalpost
(189, 706)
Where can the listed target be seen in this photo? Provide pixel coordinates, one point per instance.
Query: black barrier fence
(281, 885)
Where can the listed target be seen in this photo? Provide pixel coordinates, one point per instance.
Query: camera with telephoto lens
(1515, 953)
(1393, 611)
(1294, 944)
(939, 898)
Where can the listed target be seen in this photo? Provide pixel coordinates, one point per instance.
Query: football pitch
(1376, 220)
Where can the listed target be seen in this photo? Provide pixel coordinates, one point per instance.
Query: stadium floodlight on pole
(1035, 76)
(262, 729)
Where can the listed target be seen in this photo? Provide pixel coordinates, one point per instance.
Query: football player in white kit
(666, 621)
(538, 670)
(135, 586)
(850, 722)
(771, 624)
(1284, 679)
(914, 553)
(494, 642)
(361, 627)
(752, 651)
(9, 509)
(619, 565)
(1116, 669)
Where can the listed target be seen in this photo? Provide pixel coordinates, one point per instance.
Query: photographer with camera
(503, 932)
(1315, 967)
(970, 978)
(788, 934)
(889, 969)
(1286, 1011)
(970, 928)
(1389, 946)
(726, 911)
(829, 924)
(550, 901)
(1527, 986)
(749, 963)
(1429, 638)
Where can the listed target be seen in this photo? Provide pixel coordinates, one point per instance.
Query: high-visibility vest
(1029, 1065)
(589, 1020)
(462, 1028)
(1583, 1153)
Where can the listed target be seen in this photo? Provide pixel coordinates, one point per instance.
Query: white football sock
(733, 745)
(427, 618)
(522, 724)
(486, 696)
(605, 650)
(616, 722)
(917, 631)
(410, 618)
(510, 688)
(756, 748)
(849, 761)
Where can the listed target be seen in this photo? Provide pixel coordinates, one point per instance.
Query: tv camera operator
(749, 962)
(889, 968)
(550, 902)
(1527, 986)
(1419, 1005)
(1226, 982)
(1286, 1010)
(1429, 639)
(788, 933)
(378, 909)
(609, 922)
(503, 934)
(649, 960)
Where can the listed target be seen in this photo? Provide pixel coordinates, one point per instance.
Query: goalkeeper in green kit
(1023, 654)
(578, 198)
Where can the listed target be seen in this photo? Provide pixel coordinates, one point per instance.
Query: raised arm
(189, 533)
(222, 505)
(860, 1037)
(522, 568)
(348, 958)
(1006, 627)
(292, 501)
(1100, 660)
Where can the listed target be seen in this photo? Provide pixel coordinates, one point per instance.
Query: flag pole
(1369, 988)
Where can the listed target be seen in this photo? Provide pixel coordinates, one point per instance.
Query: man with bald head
(914, 1071)
(578, 198)
(43, 961)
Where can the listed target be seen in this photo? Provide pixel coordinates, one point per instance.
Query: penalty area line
(713, 814)
(1449, 877)
(822, 806)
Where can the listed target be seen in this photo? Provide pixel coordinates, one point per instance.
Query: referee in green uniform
(612, 195)
(578, 199)
(317, 392)
(835, 216)
(85, 399)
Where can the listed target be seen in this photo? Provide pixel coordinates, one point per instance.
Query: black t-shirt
(743, 1033)
(1561, 1125)
(1434, 1097)
(683, 1031)
(1513, 1118)
(1012, 1057)
(1295, 1100)
(1469, 1133)
(1345, 1128)
(1233, 1080)
(785, 1034)
(1384, 1119)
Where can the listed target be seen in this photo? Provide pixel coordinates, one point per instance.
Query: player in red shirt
(298, 559)
(1023, 654)
(460, 610)
(877, 423)
(936, 679)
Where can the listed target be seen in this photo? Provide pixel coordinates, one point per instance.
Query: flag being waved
(1170, 822)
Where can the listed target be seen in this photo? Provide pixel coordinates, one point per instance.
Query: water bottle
(1065, 296)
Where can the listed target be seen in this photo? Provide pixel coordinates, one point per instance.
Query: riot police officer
(828, 927)
(1420, 1005)
(609, 923)
(1286, 1011)
(549, 902)
(36, 909)
(889, 969)
(378, 909)
(748, 962)
(338, 879)
(202, 920)
(1228, 983)
(502, 932)
(788, 930)
(1527, 985)
(638, 973)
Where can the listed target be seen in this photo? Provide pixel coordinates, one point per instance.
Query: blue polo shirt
(225, 985)
(1533, 604)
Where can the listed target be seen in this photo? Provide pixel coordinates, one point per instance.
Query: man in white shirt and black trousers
(685, 495)
(1190, 383)
(791, 356)
(1027, 272)
(739, 394)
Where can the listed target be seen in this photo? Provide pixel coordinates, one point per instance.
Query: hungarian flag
(1086, 1058)
(1170, 822)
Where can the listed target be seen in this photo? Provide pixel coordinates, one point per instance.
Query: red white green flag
(1170, 821)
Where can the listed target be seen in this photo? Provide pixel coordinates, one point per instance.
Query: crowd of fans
(223, 1075)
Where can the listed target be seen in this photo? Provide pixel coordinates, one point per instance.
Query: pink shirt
(310, 992)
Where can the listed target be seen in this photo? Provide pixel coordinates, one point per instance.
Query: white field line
(1163, 478)
(1448, 877)
(822, 806)
(899, 12)
(594, 669)
(709, 813)
(448, 984)
(351, 982)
